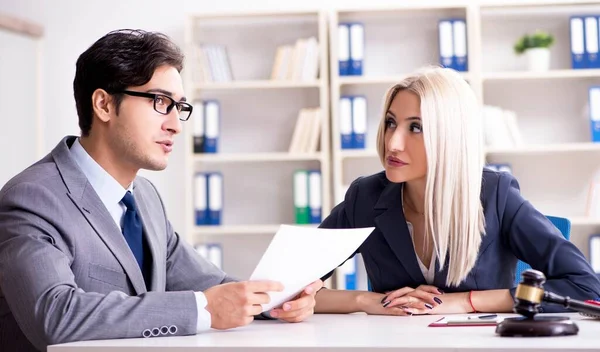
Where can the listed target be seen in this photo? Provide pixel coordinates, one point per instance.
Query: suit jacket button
(172, 329)
(147, 333)
(164, 330)
(155, 331)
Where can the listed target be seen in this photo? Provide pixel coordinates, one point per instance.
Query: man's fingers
(263, 286)
(313, 287)
(259, 298)
(297, 304)
(252, 310)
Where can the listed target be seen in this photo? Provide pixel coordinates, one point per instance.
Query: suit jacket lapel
(158, 260)
(92, 208)
(392, 225)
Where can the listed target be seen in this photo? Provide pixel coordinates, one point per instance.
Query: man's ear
(102, 104)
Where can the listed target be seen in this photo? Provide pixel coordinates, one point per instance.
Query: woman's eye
(159, 100)
(415, 128)
(390, 123)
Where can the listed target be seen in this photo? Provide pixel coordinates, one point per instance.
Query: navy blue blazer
(514, 230)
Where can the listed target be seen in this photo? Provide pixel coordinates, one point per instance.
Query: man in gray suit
(86, 249)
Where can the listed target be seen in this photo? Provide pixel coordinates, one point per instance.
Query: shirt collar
(108, 189)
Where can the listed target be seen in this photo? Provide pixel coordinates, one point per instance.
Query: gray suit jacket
(67, 273)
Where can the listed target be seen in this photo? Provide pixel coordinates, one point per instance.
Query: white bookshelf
(258, 117)
(556, 161)
(256, 84)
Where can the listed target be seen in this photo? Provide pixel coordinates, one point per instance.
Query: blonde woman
(448, 232)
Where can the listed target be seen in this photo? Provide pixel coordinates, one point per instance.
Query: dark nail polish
(438, 301)
(409, 313)
(384, 299)
(385, 304)
(440, 291)
(428, 306)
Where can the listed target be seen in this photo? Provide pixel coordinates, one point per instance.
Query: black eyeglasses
(163, 104)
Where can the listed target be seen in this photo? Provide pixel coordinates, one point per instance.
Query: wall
(72, 26)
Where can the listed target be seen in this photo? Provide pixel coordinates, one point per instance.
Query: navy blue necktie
(132, 229)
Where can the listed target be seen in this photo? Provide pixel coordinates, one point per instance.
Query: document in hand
(297, 256)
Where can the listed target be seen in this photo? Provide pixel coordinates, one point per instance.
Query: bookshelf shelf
(276, 79)
(358, 154)
(257, 84)
(584, 221)
(239, 230)
(256, 157)
(552, 74)
(374, 80)
(544, 149)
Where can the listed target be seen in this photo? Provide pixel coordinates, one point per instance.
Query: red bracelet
(471, 302)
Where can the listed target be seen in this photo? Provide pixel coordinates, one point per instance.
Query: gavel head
(529, 293)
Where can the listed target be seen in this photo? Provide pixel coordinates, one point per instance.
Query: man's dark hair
(119, 60)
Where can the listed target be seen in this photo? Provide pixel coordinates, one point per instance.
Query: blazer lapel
(158, 259)
(85, 198)
(392, 225)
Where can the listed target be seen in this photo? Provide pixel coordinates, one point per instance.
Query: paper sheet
(298, 256)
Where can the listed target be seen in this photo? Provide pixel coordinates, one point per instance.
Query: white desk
(356, 332)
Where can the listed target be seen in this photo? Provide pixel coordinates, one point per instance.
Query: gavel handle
(574, 304)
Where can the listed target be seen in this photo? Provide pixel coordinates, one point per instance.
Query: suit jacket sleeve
(39, 287)
(536, 241)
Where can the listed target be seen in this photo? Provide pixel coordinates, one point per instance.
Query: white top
(428, 272)
(352, 332)
(111, 192)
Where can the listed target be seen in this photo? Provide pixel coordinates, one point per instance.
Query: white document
(298, 256)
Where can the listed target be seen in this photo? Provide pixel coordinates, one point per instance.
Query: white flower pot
(538, 59)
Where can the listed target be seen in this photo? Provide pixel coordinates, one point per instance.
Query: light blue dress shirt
(111, 192)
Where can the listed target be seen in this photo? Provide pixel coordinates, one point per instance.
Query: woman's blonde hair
(452, 134)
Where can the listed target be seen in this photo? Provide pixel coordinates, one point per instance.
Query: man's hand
(236, 303)
(301, 307)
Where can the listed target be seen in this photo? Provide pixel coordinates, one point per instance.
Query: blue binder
(215, 197)
(446, 43)
(315, 196)
(212, 118)
(459, 40)
(594, 103)
(344, 49)
(201, 198)
(346, 121)
(591, 41)
(577, 32)
(594, 252)
(357, 48)
(359, 121)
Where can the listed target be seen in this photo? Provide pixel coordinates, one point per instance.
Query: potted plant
(537, 48)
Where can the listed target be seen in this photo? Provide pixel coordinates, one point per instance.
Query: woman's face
(405, 158)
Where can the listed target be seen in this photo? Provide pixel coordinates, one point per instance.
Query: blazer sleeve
(342, 216)
(40, 289)
(536, 241)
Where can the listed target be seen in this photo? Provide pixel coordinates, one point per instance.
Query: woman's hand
(371, 303)
(420, 300)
